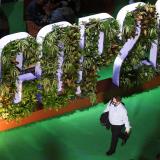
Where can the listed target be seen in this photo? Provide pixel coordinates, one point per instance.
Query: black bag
(104, 120)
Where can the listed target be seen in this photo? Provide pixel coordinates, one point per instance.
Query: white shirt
(117, 114)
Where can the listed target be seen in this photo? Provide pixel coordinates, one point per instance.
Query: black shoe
(109, 153)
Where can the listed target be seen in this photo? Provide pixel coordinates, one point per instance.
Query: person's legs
(122, 134)
(116, 130)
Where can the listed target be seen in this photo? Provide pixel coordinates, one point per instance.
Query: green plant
(72, 55)
(134, 72)
(158, 53)
(10, 72)
(64, 40)
(49, 65)
(92, 59)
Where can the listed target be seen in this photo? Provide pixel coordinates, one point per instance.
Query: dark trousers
(117, 132)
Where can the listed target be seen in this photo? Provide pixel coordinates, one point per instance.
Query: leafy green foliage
(158, 56)
(133, 72)
(49, 65)
(66, 40)
(72, 55)
(9, 110)
(92, 59)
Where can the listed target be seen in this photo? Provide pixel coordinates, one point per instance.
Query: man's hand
(127, 130)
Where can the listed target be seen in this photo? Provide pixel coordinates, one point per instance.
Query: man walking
(118, 119)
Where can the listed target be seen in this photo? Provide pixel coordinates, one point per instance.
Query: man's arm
(126, 121)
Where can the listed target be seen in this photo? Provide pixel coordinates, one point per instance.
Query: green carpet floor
(79, 136)
(105, 72)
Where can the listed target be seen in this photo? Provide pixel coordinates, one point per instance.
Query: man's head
(116, 100)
